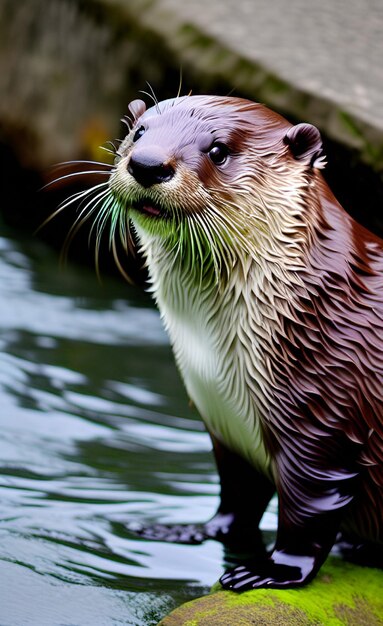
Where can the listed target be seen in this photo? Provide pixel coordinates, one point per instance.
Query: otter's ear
(305, 145)
(137, 108)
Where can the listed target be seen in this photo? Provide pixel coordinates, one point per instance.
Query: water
(96, 432)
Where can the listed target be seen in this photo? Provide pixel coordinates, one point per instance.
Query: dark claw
(249, 583)
(263, 574)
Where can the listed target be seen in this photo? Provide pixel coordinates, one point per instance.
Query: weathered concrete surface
(317, 61)
(68, 67)
(328, 49)
(341, 595)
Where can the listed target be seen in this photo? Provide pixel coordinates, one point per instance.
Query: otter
(272, 296)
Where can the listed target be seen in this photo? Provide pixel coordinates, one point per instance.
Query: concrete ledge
(314, 62)
(69, 67)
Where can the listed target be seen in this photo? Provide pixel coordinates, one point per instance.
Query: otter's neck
(222, 339)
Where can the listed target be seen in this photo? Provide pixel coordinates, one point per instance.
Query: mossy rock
(341, 595)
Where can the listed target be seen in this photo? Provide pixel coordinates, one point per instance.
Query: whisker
(101, 221)
(66, 203)
(72, 174)
(80, 221)
(80, 194)
(180, 84)
(153, 97)
(91, 205)
(149, 95)
(118, 263)
(101, 215)
(110, 143)
(232, 90)
(112, 209)
(127, 121)
(115, 221)
(98, 227)
(152, 92)
(127, 237)
(79, 162)
(124, 232)
(108, 150)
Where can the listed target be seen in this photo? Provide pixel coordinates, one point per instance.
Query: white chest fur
(212, 368)
(204, 331)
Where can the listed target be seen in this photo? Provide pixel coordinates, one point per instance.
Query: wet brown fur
(321, 377)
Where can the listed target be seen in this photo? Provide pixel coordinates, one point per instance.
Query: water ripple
(96, 434)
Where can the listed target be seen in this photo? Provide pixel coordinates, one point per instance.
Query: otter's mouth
(149, 208)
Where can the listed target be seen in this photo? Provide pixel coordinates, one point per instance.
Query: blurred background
(96, 427)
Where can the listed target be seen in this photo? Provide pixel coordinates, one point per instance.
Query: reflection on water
(95, 432)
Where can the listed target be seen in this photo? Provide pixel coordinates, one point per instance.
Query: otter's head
(211, 179)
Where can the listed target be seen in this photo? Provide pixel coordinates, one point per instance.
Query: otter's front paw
(176, 533)
(225, 527)
(278, 571)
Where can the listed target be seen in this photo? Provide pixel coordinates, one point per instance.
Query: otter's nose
(149, 167)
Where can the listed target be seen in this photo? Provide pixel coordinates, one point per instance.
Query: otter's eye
(139, 132)
(218, 153)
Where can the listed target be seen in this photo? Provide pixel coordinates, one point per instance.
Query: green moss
(341, 595)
